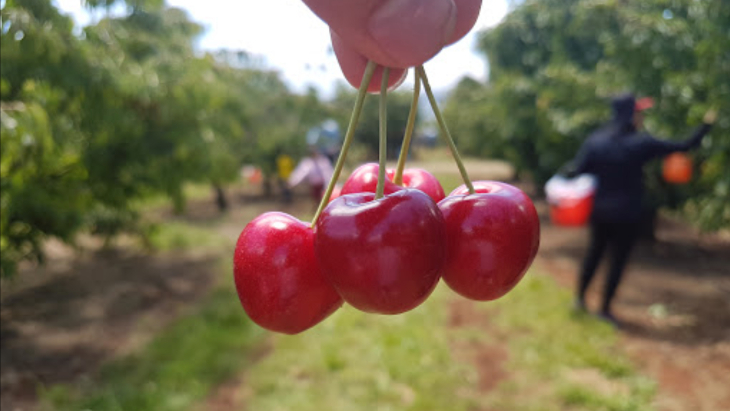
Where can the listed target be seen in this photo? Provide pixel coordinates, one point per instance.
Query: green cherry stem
(444, 130)
(398, 178)
(383, 145)
(354, 118)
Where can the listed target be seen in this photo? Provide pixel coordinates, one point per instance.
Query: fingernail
(412, 31)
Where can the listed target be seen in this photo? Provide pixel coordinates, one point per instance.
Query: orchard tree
(43, 181)
(367, 132)
(93, 123)
(554, 64)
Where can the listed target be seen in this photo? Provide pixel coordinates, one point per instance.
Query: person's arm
(300, 173)
(658, 148)
(654, 147)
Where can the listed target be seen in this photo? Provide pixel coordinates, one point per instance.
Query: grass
(449, 182)
(355, 361)
(563, 359)
(191, 192)
(178, 235)
(177, 369)
(184, 361)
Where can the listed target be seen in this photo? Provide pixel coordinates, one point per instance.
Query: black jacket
(616, 154)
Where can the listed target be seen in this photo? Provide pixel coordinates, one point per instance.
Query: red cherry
(336, 192)
(421, 179)
(277, 277)
(382, 256)
(365, 179)
(492, 237)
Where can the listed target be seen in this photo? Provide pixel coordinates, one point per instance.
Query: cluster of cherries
(383, 243)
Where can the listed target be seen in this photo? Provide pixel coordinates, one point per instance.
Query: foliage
(125, 110)
(367, 132)
(555, 63)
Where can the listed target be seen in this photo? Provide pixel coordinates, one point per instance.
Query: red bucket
(571, 212)
(570, 200)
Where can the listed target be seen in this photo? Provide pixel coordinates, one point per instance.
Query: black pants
(620, 237)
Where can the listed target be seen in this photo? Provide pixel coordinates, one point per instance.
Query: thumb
(393, 33)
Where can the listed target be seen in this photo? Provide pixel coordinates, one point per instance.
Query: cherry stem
(383, 145)
(354, 118)
(444, 130)
(398, 178)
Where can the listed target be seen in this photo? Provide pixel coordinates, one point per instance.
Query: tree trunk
(268, 189)
(220, 198)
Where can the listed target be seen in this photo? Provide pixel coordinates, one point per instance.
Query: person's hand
(393, 33)
(710, 117)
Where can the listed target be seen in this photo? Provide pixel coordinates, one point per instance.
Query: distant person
(316, 169)
(616, 154)
(284, 167)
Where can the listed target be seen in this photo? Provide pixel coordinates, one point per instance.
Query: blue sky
(294, 41)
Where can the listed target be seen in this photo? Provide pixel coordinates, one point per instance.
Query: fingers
(393, 33)
(353, 65)
(467, 12)
(410, 32)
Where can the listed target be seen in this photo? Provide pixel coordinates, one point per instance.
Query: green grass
(191, 191)
(178, 235)
(177, 369)
(564, 360)
(184, 361)
(450, 181)
(355, 361)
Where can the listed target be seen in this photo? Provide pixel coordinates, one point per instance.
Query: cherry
(365, 178)
(382, 256)
(421, 179)
(336, 192)
(277, 277)
(492, 237)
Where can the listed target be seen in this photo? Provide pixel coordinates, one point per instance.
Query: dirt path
(488, 359)
(63, 321)
(675, 304)
(85, 307)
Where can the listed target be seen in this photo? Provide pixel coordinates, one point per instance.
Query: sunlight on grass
(185, 360)
(177, 235)
(177, 369)
(565, 360)
(450, 181)
(191, 192)
(356, 361)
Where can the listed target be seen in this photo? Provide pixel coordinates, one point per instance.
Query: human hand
(710, 117)
(393, 33)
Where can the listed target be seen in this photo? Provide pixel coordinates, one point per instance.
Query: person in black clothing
(616, 154)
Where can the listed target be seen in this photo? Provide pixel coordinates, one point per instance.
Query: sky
(291, 39)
